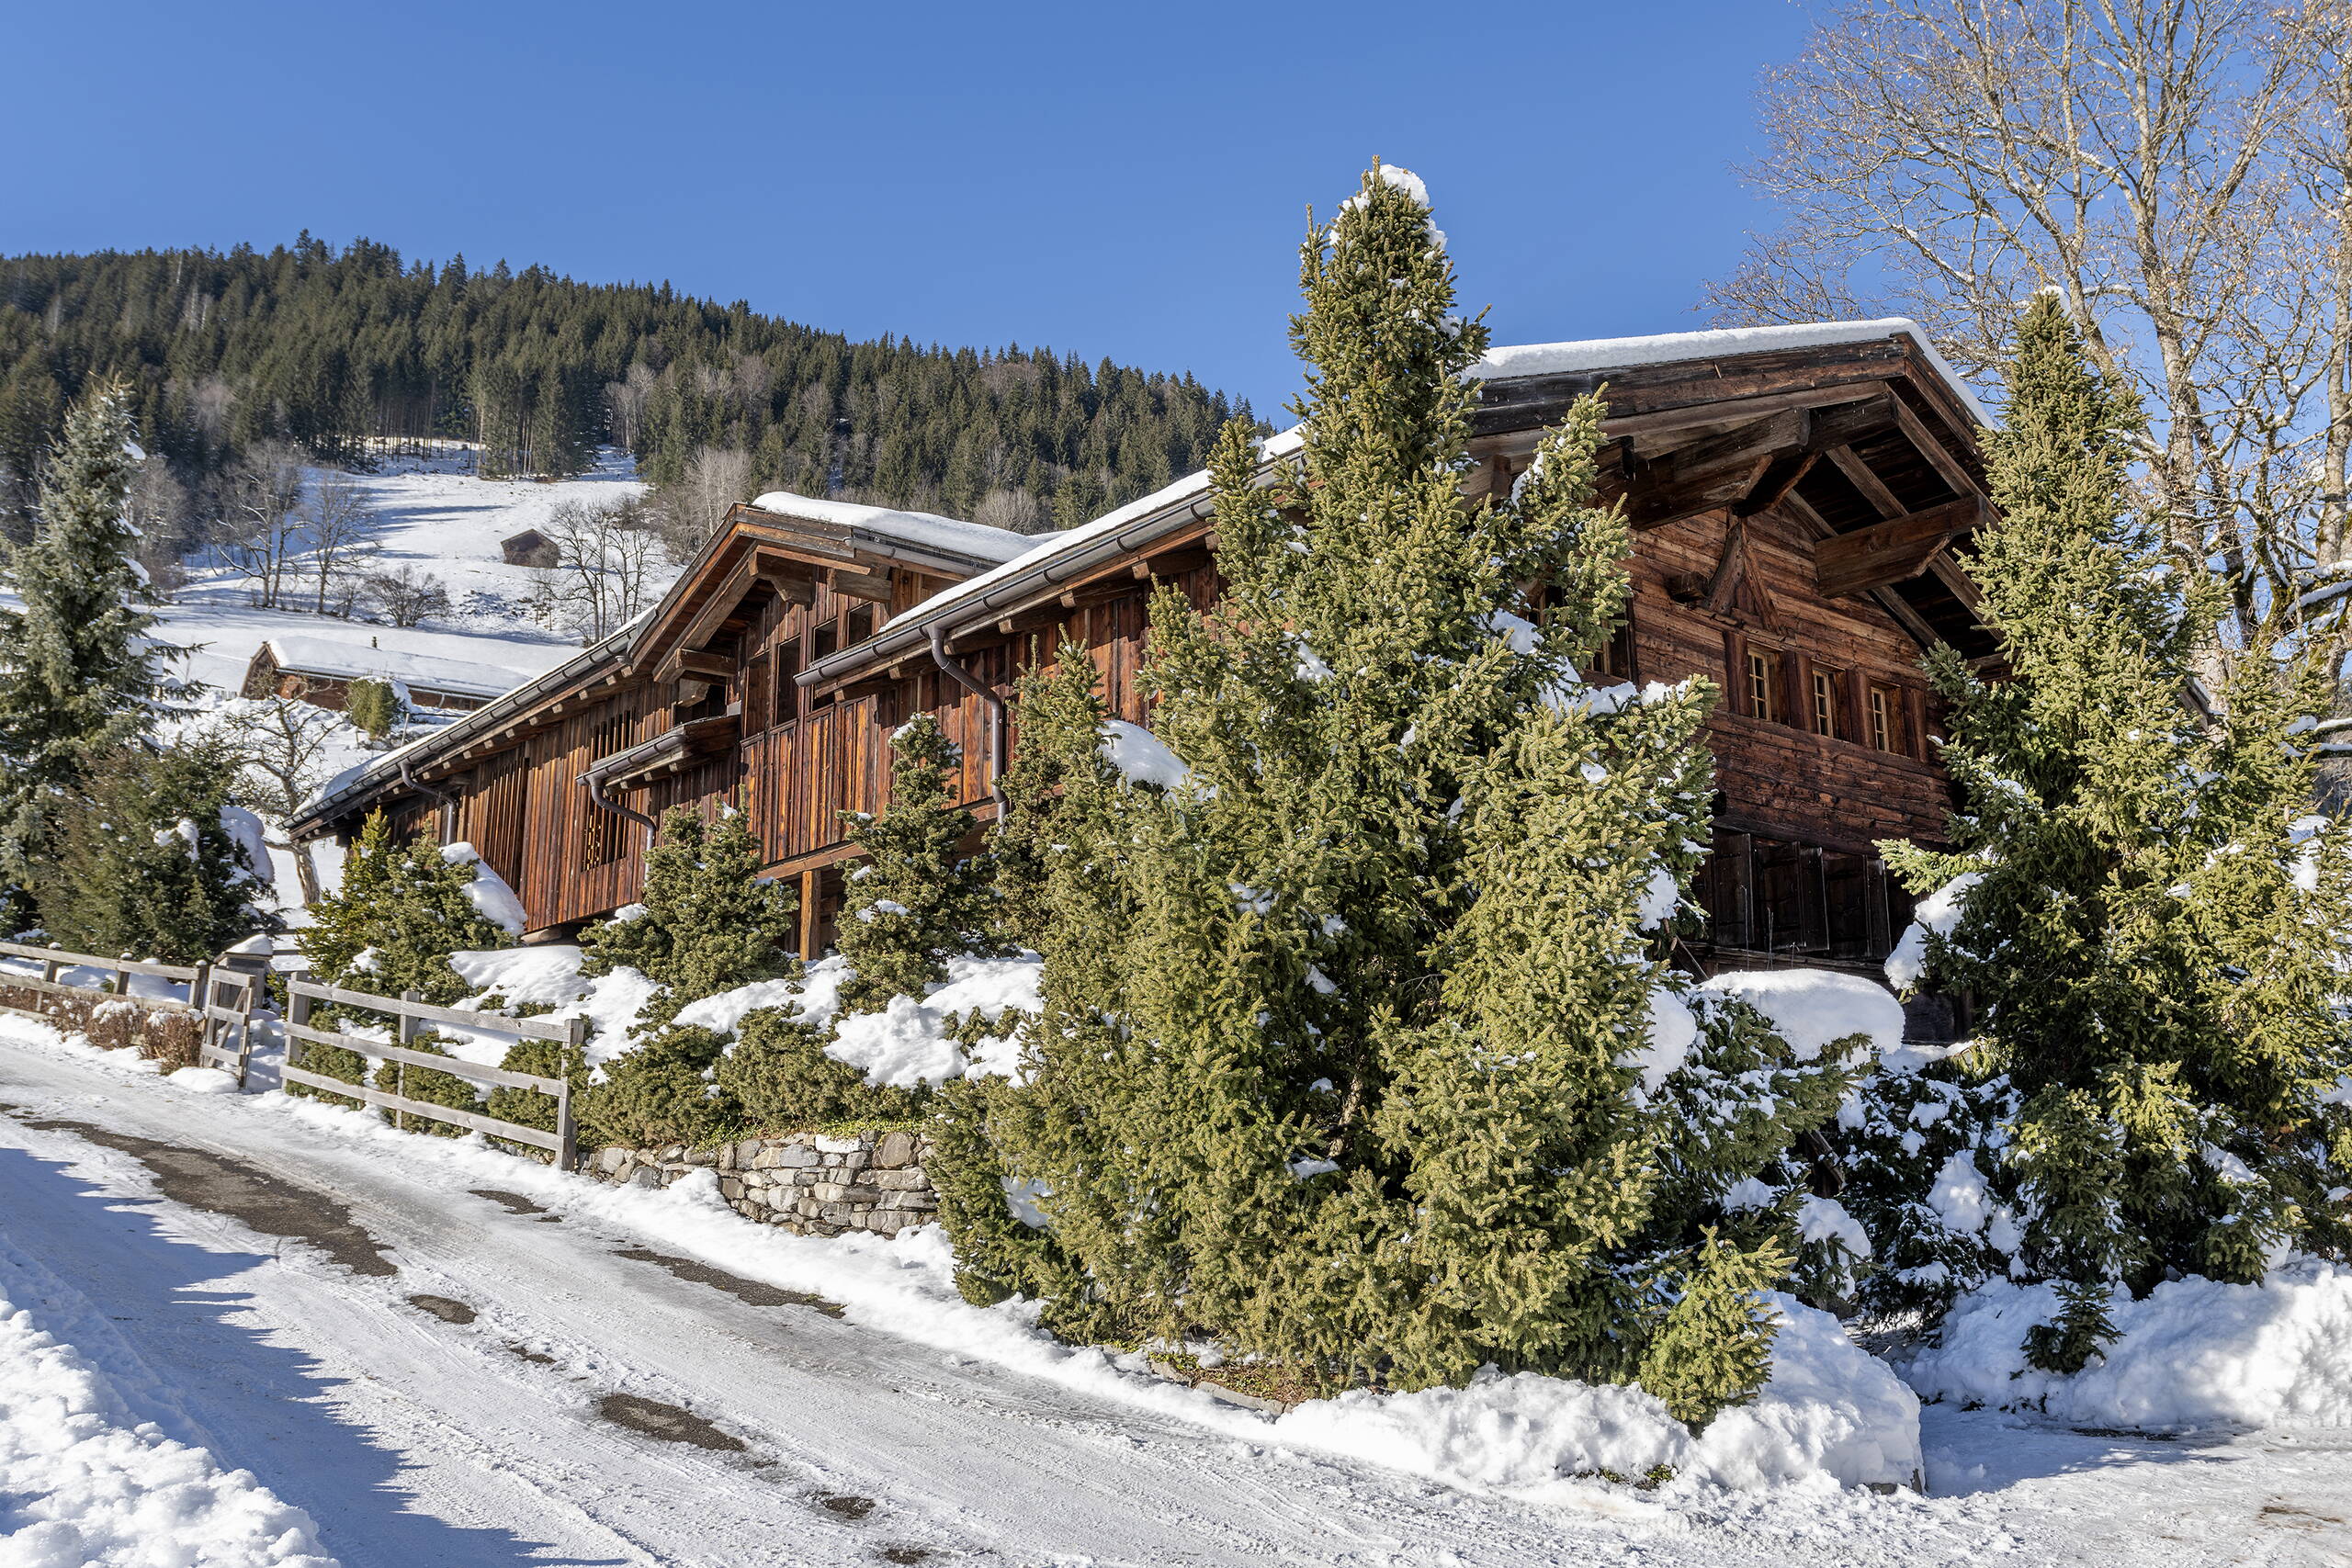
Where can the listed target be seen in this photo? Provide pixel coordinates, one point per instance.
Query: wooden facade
(1796, 510)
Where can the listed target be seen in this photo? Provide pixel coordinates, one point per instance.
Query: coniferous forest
(348, 353)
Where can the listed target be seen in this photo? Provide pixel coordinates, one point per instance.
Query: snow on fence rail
(409, 1015)
(84, 991)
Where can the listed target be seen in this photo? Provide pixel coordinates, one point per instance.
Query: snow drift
(1830, 1411)
(2195, 1353)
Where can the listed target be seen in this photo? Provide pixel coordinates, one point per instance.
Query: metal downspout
(597, 796)
(446, 804)
(995, 705)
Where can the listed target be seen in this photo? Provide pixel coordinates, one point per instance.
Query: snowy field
(434, 517)
(258, 1337)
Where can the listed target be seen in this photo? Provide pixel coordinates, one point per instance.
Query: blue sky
(1107, 179)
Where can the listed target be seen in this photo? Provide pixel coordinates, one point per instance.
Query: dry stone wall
(809, 1183)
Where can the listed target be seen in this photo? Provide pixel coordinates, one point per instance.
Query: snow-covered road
(448, 1379)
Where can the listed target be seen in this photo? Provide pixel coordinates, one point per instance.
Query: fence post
(199, 996)
(297, 1016)
(567, 1153)
(245, 1026)
(404, 1034)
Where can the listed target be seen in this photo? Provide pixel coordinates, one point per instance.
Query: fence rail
(224, 1000)
(409, 1014)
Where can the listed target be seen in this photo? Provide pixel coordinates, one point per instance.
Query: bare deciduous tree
(2176, 170)
(341, 528)
(406, 596)
(1015, 511)
(284, 750)
(716, 478)
(607, 570)
(157, 505)
(259, 535)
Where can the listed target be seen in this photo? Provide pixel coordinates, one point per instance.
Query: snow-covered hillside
(433, 517)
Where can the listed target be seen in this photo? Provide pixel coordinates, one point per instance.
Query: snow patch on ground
(2195, 1354)
(84, 1482)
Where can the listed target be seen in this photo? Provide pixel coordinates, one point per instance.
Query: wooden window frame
(1762, 671)
(1888, 714)
(1823, 699)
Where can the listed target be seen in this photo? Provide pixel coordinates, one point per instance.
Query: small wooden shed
(529, 547)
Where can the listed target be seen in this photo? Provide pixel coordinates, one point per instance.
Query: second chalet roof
(881, 528)
(351, 661)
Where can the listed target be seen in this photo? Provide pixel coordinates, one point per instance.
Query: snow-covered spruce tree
(915, 902)
(708, 924)
(402, 908)
(148, 864)
(1365, 1073)
(80, 673)
(2157, 934)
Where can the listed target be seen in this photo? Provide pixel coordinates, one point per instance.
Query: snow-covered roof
(1044, 546)
(1667, 348)
(924, 528)
(1054, 556)
(354, 661)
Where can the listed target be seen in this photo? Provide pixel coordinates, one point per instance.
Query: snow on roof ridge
(1046, 545)
(978, 539)
(1663, 348)
(327, 656)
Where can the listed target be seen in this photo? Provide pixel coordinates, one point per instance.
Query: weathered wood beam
(1865, 480)
(790, 579)
(1893, 552)
(872, 586)
(1940, 456)
(1778, 478)
(700, 662)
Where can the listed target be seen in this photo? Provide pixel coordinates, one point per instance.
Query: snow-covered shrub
(778, 1073)
(708, 924)
(917, 901)
(402, 908)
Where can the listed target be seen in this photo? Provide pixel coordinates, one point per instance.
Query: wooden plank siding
(1716, 583)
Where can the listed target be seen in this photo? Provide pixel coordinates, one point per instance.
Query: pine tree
(708, 924)
(916, 902)
(1358, 1044)
(373, 707)
(80, 673)
(401, 910)
(2154, 942)
(145, 865)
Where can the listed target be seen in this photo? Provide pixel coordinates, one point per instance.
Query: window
(1615, 658)
(600, 830)
(759, 691)
(828, 639)
(859, 625)
(788, 669)
(1763, 684)
(1886, 720)
(1824, 704)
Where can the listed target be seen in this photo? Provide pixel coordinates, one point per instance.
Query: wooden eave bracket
(1894, 551)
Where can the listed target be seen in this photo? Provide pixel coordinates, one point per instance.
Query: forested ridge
(339, 351)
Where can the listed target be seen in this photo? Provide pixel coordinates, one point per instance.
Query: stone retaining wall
(808, 1183)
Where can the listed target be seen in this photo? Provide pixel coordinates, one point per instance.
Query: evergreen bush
(916, 902)
(2156, 942)
(373, 708)
(708, 924)
(1358, 1035)
(401, 911)
(143, 865)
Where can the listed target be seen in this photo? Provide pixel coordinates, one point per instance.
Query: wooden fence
(409, 1016)
(220, 1003)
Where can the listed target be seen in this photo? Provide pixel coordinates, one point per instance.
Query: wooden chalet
(1798, 494)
